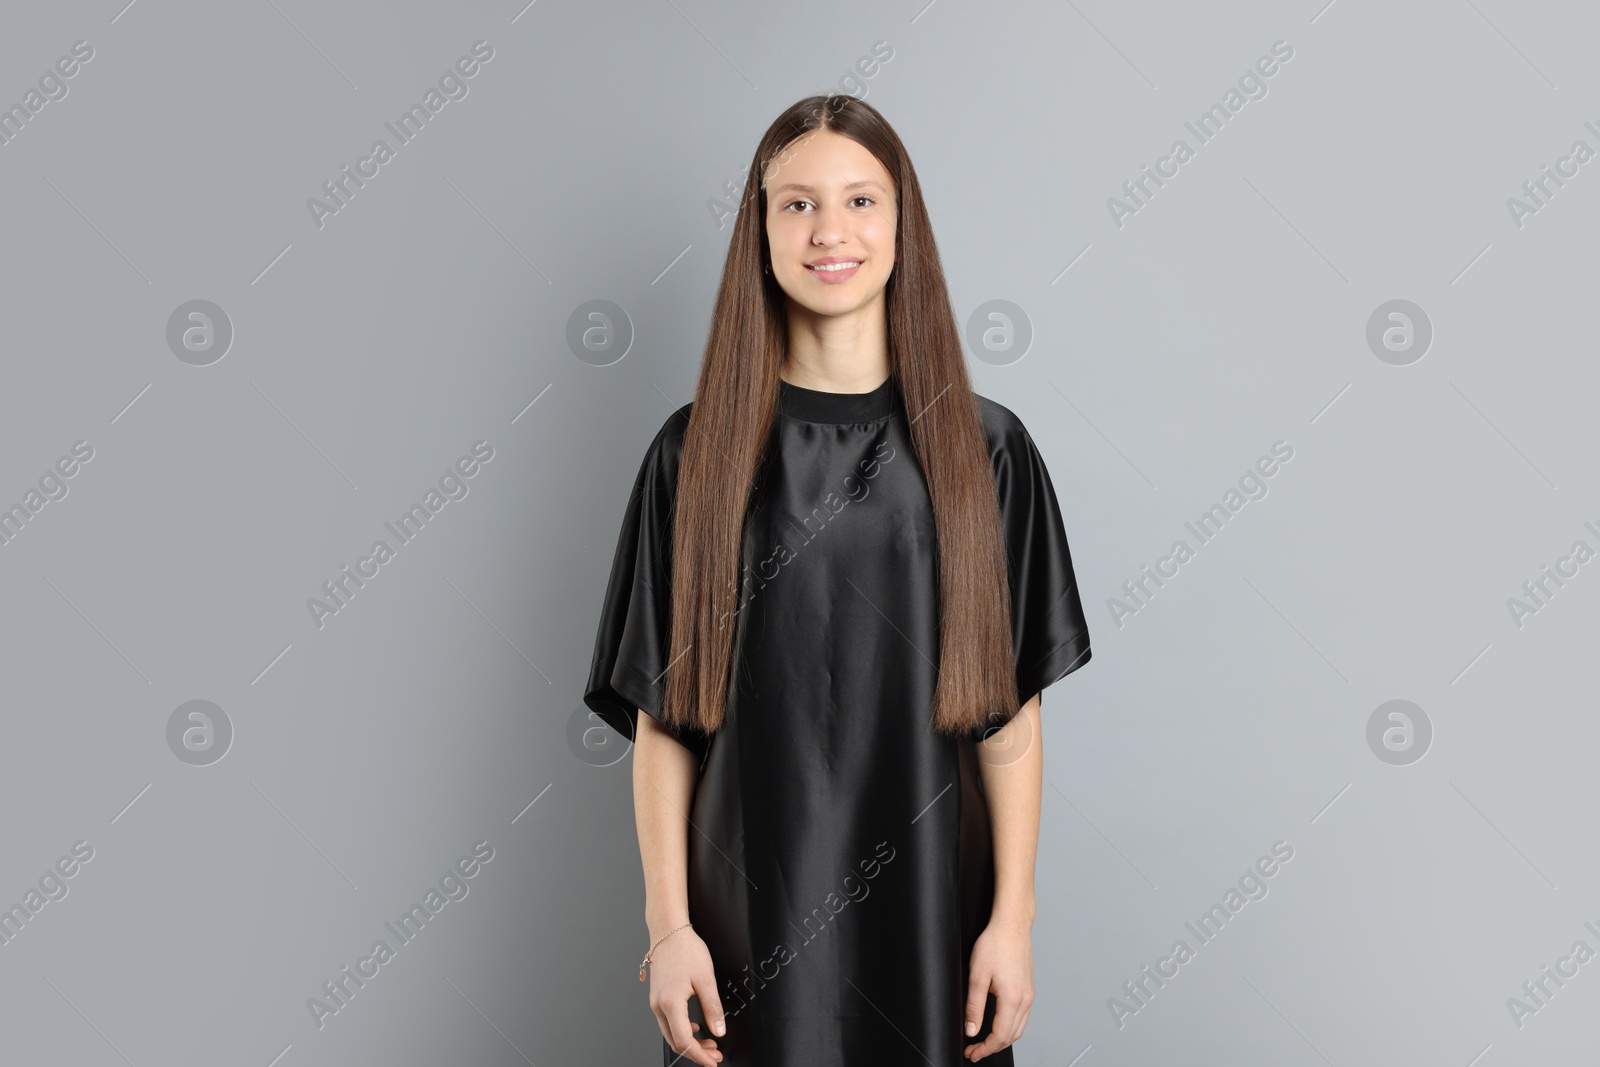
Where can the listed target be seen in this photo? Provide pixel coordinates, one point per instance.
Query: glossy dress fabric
(840, 862)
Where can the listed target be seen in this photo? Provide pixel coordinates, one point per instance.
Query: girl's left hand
(1002, 963)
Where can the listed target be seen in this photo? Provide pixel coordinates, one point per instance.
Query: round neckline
(816, 405)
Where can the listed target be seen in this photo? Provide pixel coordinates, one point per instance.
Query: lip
(834, 277)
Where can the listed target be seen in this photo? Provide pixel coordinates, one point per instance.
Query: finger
(987, 1047)
(709, 1044)
(705, 1045)
(681, 1037)
(977, 996)
(697, 1053)
(1022, 1024)
(1007, 1007)
(705, 987)
(666, 1035)
(661, 1021)
(705, 1042)
(996, 1040)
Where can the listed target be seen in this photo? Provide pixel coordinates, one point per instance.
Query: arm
(663, 785)
(1002, 958)
(1013, 788)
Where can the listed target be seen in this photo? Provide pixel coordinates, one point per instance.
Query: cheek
(788, 245)
(882, 243)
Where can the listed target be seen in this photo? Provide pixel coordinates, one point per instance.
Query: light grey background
(437, 708)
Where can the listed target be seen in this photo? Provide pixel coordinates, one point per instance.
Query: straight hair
(730, 430)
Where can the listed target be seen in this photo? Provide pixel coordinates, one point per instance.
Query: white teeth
(837, 266)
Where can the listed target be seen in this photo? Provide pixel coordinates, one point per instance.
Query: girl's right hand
(681, 966)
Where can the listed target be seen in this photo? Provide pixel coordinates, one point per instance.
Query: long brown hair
(730, 427)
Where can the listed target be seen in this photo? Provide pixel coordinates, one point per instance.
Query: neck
(837, 353)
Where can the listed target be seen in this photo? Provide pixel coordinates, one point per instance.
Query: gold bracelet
(660, 939)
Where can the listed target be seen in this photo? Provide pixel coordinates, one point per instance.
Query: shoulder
(666, 447)
(1020, 471)
(1004, 430)
(671, 434)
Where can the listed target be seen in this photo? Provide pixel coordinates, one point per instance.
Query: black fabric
(840, 863)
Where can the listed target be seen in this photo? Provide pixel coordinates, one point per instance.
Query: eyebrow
(786, 186)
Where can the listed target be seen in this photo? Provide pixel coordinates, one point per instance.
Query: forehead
(822, 162)
(844, 186)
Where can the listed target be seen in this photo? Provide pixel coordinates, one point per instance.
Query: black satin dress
(840, 861)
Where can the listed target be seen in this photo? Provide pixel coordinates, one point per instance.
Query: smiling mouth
(830, 268)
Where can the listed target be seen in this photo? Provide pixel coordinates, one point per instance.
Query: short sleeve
(630, 651)
(1050, 638)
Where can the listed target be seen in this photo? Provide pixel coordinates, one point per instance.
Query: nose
(829, 227)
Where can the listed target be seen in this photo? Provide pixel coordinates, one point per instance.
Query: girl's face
(829, 201)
